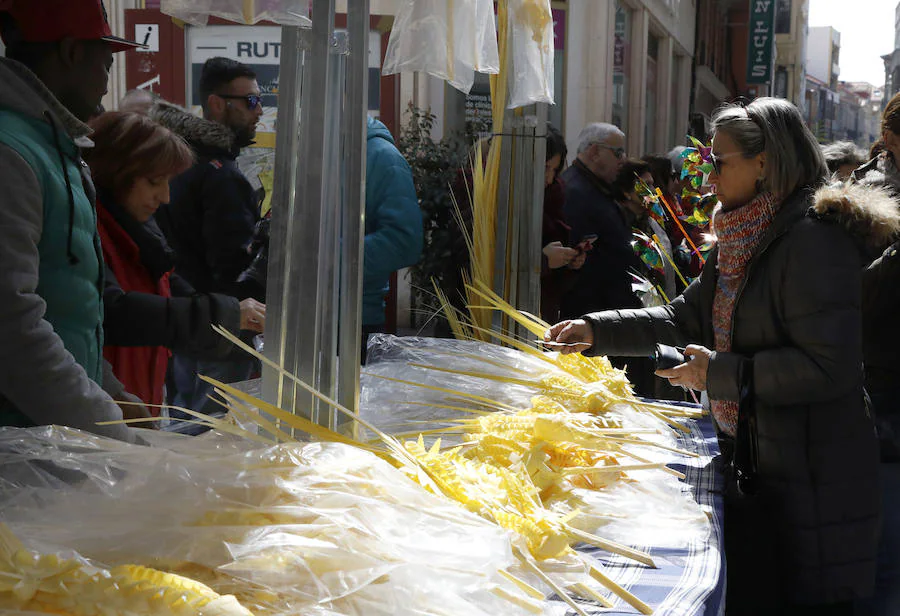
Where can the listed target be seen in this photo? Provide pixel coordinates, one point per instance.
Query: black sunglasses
(253, 100)
(717, 161)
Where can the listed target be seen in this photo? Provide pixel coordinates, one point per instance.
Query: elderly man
(591, 209)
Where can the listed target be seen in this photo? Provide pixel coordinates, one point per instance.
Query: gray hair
(596, 133)
(842, 153)
(775, 127)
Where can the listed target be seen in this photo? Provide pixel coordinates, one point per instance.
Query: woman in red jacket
(149, 311)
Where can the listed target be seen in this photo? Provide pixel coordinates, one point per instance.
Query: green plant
(436, 167)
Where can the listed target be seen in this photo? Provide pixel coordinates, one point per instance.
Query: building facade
(791, 45)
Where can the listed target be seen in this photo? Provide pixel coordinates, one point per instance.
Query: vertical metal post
(353, 210)
(304, 317)
(533, 165)
(284, 192)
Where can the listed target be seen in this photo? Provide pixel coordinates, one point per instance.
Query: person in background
(213, 213)
(559, 263)
(58, 57)
(637, 215)
(148, 309)
(394, 234)
(842, 158)
(665, 177)
(591, 209)
(881, 339)
(773, 333)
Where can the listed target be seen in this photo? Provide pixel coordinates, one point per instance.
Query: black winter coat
(213, 211)
(182, 323)
(797, 318)
(590, 209)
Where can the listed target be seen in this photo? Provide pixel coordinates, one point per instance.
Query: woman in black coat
(773, 329)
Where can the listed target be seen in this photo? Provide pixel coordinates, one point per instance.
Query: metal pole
(304, 316)
(353, 210)
(284, 193)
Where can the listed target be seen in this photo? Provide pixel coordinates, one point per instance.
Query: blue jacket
(394, 233)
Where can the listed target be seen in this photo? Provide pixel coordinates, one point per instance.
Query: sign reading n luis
(761, 45)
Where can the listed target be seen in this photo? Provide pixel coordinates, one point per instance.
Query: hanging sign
(761, 41)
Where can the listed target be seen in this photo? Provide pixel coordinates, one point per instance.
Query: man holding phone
(598, 228)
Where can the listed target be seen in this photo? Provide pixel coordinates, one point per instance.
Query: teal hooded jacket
(51, 266)
(394, 232)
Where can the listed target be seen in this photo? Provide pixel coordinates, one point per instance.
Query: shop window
(621, 66)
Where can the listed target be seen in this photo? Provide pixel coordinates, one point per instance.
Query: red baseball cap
(45, 21)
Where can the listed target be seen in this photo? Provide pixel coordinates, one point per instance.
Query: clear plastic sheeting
(291, 529)
(531, 63)
(198, 12)
(413, 385)
(448, 39)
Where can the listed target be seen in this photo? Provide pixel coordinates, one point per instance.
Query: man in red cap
(56, 70)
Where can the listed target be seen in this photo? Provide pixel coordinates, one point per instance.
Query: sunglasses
(617, 152)
(717, 160)
(253, 100)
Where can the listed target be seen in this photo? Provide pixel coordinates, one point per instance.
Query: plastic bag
(287, 529)
(198, 12)
(531, 52)
(449, 39)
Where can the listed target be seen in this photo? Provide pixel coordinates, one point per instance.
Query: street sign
(761, 41)
(148, 35)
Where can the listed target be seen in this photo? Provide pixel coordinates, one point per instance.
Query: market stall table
(688, 581)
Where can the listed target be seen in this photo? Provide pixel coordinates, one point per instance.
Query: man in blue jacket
(393, 224)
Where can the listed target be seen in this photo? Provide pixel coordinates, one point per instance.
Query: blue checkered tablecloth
(689, 581)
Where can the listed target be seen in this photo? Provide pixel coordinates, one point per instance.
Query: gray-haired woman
(772, 329)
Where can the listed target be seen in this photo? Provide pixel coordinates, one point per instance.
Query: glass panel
(621, 66)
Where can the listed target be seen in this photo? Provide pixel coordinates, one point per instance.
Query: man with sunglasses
(214, 210)
(591, 209)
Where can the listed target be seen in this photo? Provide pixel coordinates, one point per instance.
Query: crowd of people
(124, 235)
(128, 234)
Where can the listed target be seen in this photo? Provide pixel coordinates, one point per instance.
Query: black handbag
(743, 472)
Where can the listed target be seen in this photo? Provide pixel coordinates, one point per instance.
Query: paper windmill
(651, 201)
(648, 252)
(697, 164)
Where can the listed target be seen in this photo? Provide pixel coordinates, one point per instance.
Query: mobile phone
(668, 357)
(587, 243)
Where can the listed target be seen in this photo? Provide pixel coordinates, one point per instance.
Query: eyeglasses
(617, 152)
(717, 160)
(253, 100)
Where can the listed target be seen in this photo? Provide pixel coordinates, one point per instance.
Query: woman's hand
(692, 373)
(570, 337)
(578, 261)
(253, 315)
(558, 255)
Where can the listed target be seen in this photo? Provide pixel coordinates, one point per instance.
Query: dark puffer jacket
(214, 210)
(797, 318)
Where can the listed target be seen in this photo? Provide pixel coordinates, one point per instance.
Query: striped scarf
(740, 232)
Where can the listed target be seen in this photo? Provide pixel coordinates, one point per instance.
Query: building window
(675, 122)
(781, 83)
(621, 66)
(652, 91)
(783, 17)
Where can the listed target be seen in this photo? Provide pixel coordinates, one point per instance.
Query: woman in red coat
(148, 310)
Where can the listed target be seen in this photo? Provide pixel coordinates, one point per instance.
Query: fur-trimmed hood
(201, 133)
(869, 212)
